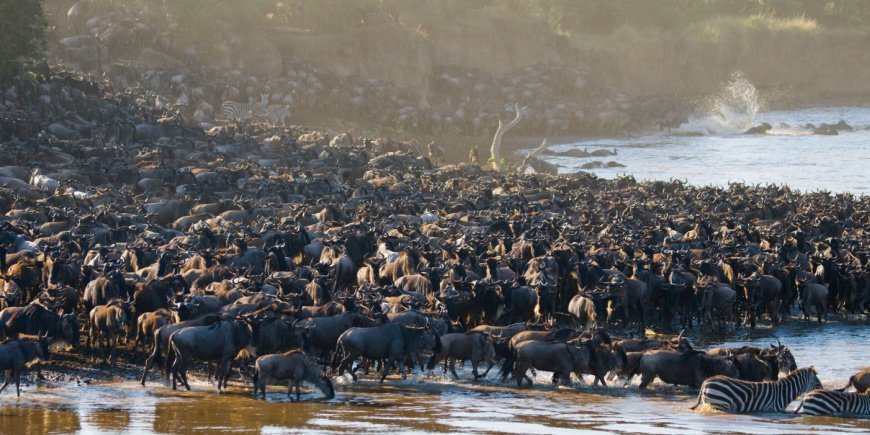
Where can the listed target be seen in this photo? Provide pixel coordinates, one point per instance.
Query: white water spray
(732, 110)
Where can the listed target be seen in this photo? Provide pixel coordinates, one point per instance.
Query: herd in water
(289, 254)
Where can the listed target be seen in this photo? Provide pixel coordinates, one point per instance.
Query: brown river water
(435, 403)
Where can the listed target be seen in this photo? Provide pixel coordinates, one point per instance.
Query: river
(435, 403)
(711, 149)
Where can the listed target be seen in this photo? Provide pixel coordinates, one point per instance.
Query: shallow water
(709, 150)
(434, 403)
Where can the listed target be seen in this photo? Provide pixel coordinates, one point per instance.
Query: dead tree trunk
(495, 150)
(536, 151)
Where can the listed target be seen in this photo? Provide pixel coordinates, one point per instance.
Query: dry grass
(800, 24)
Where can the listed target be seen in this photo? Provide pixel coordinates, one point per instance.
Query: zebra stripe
(233, 109)
(733, 395)
(824, 402)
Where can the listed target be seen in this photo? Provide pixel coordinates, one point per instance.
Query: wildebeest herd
(324, 254)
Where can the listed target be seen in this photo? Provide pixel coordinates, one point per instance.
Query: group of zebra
(275, 114)
(727, 394)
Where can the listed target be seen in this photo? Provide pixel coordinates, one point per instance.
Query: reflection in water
(437, 404)
(26, 420)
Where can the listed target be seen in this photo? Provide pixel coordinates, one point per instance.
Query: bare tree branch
(535, 152)
(495, 150)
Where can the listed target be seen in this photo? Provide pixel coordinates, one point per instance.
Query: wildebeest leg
(474, 364)
(387, 364)
(17, 374)
(298, 393)
(519, 374)
(453, 368)
(402, 370)
(347, 364)
(486, 372)
(645, 380)
(183, 371)
(221, 371)
(290, 388)
(555, 378)
(168, 362)
(565, 378)
(6, 375)
(175, 365)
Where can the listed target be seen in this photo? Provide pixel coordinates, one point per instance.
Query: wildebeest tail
(848, 384)
(337, 356)
(256, 377)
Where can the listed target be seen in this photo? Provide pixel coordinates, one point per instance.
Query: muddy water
(434, 403)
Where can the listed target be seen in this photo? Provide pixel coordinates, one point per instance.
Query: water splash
(732, 110)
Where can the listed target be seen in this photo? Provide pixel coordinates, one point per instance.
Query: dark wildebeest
(560, 358)
(390, 342)
(109, 321)
(153, 295)
(161, 341)
(35, 319)
(814, 295)
(221, 342)
(322, 332)
(756, 368)
(101, 290)
(683, 368)
(546, 335)
(276, 335)
(474, 346)
(293, 365)
(18, 354)
(763, 294)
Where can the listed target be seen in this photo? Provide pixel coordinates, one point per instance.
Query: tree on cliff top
(22, 39)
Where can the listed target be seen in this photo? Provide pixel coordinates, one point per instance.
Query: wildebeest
(814, 295)
(560, 358)
(322, 332)
(476, 347)
(18, 354)
(149, 322)
(36, 319)
(107, 323)
(292, 365)
(221, 341)
(688, 368)
(161, 342)
(391, 342)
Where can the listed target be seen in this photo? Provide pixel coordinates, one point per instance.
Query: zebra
(236, 110)
(733, 395)
(838, 403)
(277, 114)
